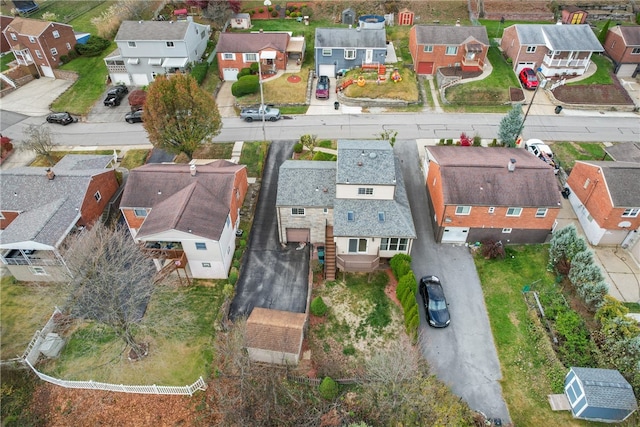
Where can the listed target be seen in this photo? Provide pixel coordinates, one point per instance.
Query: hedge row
(405, 292)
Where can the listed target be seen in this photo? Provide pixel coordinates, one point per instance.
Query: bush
(465, 140)
(245, 85)
(441, 141)
(399, 271)
(325, 157)
(477, 141)
(233, 276)
(254, 67)
(329, 389)
(199, 71)
(318, 307)
(491, 249)
(449, 141)
(94, 47)
(260, 10)
(349, 350)
(494, 142)
(297, 148)
(270, 9)
(64, 59)
(244, 72)
(274, 14)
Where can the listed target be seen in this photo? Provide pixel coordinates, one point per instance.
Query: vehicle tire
(272, 119)
(249, 119)
(116, 103)
(129, 121)
(49, 120)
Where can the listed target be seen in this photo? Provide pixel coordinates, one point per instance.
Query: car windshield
(437, 305)
(322, 86)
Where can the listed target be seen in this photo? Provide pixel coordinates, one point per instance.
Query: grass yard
(134, 158)
(68, 11)
(5, 60)
(280, 91)
(214, 151)
(602, 76)
(406, 90)
(83, 22)
(253, 155)
(569, 152)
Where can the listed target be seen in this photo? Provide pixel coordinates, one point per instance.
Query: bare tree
(40, 140)
(111, 282)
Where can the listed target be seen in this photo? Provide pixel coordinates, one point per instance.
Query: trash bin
(558, 109)
(566, 192)
(336, 105)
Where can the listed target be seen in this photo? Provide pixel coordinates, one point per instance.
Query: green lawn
(253, 155)
(83, 23)
(66, 11)
(134, 158)
(5, 60)
(603, 74)
(569, 152)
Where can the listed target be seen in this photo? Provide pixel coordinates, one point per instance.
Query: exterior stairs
(329, 255)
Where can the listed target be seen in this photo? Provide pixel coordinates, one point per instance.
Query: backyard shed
(405, 17)
(599, 395)
(275, 336)
(349, 16)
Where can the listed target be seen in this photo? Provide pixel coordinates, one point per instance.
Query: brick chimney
(50, 174)
(193, 170)
(512, 165)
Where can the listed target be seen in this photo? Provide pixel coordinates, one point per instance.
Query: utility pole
(535, 92)
(262, 106)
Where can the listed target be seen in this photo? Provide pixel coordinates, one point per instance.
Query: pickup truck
(255, 113)
(542, 151)
(115, 95)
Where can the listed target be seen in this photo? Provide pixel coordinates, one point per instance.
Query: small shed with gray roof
(275, 336)
(337, 49)
(599, 395)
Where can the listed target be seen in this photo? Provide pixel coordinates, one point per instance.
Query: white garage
(140, 79)
(522, 65)
(455, 235)
(47, 71)
(328, 70)
(117, 78)
(627, 70)
(229, 74)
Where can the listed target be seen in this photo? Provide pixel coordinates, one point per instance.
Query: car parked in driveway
(115, 95)
(63, 118)
(434, 301)
(528, 78)
(322, 88)
(133, 117)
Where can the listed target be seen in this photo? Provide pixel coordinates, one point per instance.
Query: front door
(368, 58)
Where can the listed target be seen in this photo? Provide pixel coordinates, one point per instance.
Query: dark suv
(133, 117)
(115, 95)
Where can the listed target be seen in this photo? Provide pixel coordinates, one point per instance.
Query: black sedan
(62, 118)
(133, 117)
(435, 303)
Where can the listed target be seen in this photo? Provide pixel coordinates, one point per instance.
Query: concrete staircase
(329, 255)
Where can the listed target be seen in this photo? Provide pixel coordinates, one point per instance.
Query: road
(608, 127)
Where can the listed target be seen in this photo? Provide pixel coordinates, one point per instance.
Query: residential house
(624, 151)
(41, 207)
(148, 48)
(606, 200)
(338, 49)
(435, 46)
(240, 21)
(574, 15)
(4, 43)
(497, 193)
(555, 50)
(39, 44)
(356, 207)
(186, 215)
(239, 50)
(596, 394)
(622, 45)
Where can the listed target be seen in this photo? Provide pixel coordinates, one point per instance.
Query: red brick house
(622, 45)
(435, 46)
(39, 43)
(498, 193)
(239, 50)
(606, 200)
(4, 44)
(187, 214)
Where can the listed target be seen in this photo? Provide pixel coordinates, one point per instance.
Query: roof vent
(512, 165)
(50, 174)
(193, 170)
(359, 163)
(372, 155)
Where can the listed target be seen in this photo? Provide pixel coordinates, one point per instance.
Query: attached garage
(298, 235)
(140, 79)
(522, 65)
(425, 67)
(328, 70)
(455, 235)
(117, 78)
(47, 71)
(230, 74)
(627, 70)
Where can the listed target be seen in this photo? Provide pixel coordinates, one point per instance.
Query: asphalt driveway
(462, 355)
(271, 276)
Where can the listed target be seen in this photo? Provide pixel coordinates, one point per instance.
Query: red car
(528, 78)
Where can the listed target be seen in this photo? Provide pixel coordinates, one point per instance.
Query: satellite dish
(624, 224)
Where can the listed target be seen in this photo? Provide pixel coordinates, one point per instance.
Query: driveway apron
(271, 276)
(462, 355)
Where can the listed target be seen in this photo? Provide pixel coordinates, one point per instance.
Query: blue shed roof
(606, 388)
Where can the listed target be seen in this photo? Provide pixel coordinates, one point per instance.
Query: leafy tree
(179, 115)
(318, 306)
(309, 141)
(329, 389)
(388, 135)
(564, 245)
(40, 140)
(511, 126)
(219, 11)
(602, 36)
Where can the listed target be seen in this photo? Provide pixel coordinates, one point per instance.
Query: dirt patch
(516, 94)
(612, 94)
(457, 71)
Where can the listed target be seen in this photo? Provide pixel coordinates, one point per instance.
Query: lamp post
(262, 108)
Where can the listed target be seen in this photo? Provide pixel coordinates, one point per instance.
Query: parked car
(256, 113)
(542, 151)
(62, 118)
(115, 95)
(434, 301)
(528, 78)
(322, 88)
(133, 117)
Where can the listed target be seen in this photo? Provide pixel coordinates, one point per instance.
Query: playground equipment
(395, 76)
(380, 68)
(361, 82)
(343, 85)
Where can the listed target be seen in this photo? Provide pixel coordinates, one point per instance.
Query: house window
(38, 54)
(357, 245)
(169, 44)
(631, 212)
(250, 57)
(635, 51)
(531, 49)
(365, 190)
(351, 216)
(68, 46)
(1, 216)
(297, 211)
(206, 265)
(393, 244)
(201, 246)
(428, 49)
(97, 196)
(54, 51)
(56, 34)
(13, 36)
(32, 39)
(491, 210)
(463, 210)
(228, 222)
(514, 211)
(38, 271)
(380, 216)
(326, 52)
(229, 56)
(507, 230)
(451, 50)
(349, 54)
(131, 44)
(586, 183)
(541, 212)
(140, 213)
(325, 210)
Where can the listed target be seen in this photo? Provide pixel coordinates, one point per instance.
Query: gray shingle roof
(350, 38)
(606, 388)
(478, 176)
(450, 34)
(559, 37)
(153, 30)
(298, 181)
(365, 162)
(48, 208)
(251, 42)
(626, 151)
(630, 34)
(623, 182)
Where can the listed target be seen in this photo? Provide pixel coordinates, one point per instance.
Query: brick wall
(107, 184)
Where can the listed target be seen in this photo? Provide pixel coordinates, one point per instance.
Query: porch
(162, 250)
(32, 258)
(353, 263)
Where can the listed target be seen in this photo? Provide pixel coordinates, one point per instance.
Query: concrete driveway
(103, 114)
(271, 276)
(34, 98)
(462, 355)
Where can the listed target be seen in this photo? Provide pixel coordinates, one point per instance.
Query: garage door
(230, 74)
(328, 70)
(425, 67)
(298, 234)
(47, 71)
(522, 65)
(140, 79)
(455, 235)
(117, 78)
(626, 70)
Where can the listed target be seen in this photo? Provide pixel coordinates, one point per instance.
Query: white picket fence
(122, 388)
